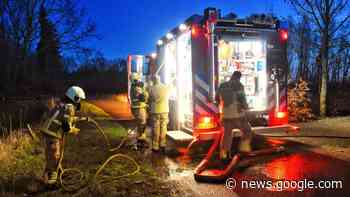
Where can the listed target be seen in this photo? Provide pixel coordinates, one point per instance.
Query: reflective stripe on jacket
(138, 96)
(60, 119)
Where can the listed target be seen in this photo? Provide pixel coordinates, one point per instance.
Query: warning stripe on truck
(201, 94)
(272, 98)
(283, 99)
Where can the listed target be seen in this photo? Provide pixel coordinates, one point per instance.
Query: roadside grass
(21, 159)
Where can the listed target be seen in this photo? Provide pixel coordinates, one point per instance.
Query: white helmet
(75, 93)
(135, 76)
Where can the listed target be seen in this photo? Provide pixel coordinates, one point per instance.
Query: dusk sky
(134, 26)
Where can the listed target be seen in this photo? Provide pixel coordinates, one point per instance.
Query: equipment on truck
(204, 52)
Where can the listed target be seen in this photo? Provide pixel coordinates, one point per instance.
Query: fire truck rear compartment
(249, 57)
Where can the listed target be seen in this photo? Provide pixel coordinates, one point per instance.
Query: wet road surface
(301, 165)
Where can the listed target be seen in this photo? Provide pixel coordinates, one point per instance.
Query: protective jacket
(159, 98)
(138, 96)
(61, 119)
(233, 97)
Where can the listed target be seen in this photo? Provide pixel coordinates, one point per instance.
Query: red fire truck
(205, 50)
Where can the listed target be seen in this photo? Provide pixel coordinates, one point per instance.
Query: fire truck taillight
(281, 115)
(206, 122)
(278, 118)
(283, 35)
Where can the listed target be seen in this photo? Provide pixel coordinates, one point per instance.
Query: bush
(299, 103)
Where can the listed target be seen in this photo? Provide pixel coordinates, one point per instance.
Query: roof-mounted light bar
(182, 27)
(169, 36)
(154, 55)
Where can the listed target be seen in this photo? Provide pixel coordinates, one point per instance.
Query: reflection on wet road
(299, 163)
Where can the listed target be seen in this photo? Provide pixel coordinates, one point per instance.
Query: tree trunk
(324, 74)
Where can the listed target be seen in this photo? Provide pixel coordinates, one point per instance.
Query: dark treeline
(319, 49)
(42, 50)
(99, 75)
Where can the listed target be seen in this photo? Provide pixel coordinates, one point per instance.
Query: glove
(74, 131)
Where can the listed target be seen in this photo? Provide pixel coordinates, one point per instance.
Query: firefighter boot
(244, 146)
(225, 155)
(51, 178)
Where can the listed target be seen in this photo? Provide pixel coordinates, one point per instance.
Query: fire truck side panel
(205, 113)
(278, 73)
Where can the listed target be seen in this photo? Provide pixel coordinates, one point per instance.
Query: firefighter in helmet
(159, 108)
(232, 95)
(139, 97)
(61, 119)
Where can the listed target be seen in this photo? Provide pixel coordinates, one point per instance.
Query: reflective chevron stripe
(201, 95)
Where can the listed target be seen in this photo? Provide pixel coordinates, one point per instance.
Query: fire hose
(203, 175)
(79, 182)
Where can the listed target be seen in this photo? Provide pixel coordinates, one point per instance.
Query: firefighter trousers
(243, 125)
(52, 154)
(140, 115)
(159, 130)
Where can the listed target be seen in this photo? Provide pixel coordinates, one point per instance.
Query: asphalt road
(300, 171)
(309, 167)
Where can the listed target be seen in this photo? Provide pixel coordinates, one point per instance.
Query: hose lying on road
(201, 174)
(306, 136)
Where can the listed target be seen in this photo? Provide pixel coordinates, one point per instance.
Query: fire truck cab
(204, 51)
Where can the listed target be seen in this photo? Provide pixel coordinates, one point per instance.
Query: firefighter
(61, 119)
(232, 94)
(159, 108)
(139, 97)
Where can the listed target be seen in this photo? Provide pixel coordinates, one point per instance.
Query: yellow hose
(99, 129)
(74, 185)
(117, 177)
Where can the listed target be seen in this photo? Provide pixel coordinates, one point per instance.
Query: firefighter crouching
(60, 120)
(139, 96)
(159, 109)
(232, 95)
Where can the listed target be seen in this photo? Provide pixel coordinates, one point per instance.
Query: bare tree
(301, 46)
(331, 19)
(19, 27)
(22, 21)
